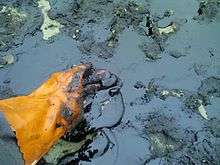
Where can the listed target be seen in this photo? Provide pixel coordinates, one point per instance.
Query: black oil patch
(66, 112)
(75, 82)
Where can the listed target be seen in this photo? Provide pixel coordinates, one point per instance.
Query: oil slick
(49, 27)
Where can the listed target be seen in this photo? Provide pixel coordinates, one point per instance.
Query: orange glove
(42, 117)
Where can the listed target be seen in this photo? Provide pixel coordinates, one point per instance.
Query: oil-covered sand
(167, 54)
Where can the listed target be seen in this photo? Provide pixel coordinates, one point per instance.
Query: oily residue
(165, 53)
